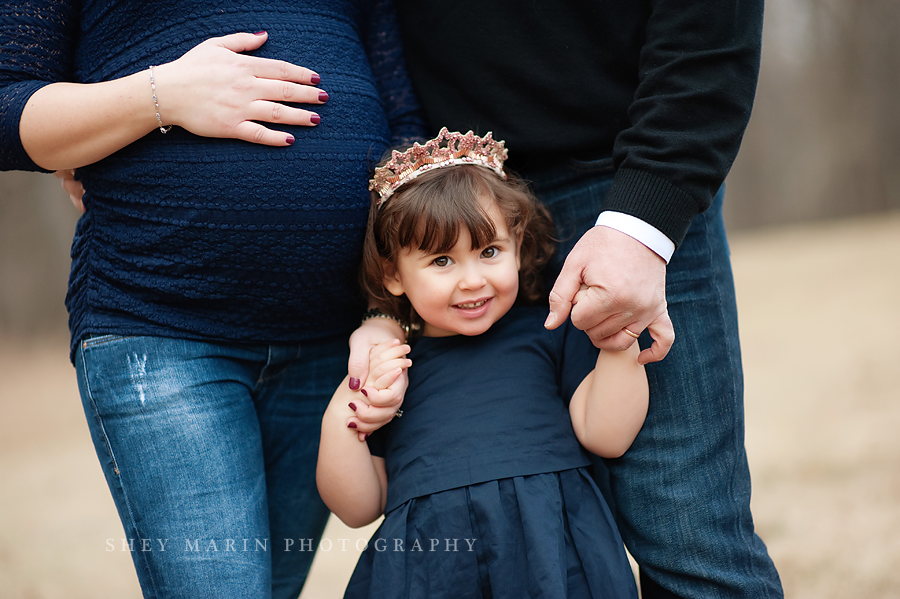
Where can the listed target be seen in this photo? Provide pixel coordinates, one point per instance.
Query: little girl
(482, 481)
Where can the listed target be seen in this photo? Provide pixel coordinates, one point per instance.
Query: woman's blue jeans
(681, 494)
(210, 452)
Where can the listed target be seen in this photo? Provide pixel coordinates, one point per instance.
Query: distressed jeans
(210, 452)
(681, 494)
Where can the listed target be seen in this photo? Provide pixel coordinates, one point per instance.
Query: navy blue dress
(487, 491)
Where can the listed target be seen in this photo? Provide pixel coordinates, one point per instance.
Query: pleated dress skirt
(547, 535)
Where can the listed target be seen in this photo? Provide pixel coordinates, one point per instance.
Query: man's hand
(72, 187)
(626, 289)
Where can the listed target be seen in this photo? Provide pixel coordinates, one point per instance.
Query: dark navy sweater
(218, 239)
(665, 87)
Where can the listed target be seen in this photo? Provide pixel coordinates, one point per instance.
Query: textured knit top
(218, 239)
(665, 87)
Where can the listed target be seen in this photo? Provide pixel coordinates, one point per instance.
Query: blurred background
(813, 212)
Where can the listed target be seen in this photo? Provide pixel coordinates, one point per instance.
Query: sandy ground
(820, 326)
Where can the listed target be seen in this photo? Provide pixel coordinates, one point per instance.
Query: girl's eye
(442, 261)
(490, 252)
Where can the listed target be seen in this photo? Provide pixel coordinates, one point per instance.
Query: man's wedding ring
(630, 334)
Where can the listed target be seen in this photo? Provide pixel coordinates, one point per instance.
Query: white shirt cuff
(634, 227)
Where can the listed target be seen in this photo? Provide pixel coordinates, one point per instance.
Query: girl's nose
(472, 278)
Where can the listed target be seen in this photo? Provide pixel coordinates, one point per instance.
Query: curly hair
(428, 214)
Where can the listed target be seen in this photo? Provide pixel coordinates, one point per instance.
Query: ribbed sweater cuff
(653, 200)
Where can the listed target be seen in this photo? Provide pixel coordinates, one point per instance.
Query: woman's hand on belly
(215, 91)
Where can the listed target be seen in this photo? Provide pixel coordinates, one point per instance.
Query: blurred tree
(37, 222)
(824, 139)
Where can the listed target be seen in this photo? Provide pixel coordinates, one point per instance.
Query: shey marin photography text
(244, 545)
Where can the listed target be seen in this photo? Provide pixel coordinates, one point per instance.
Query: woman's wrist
(162, 128)
(70, 125)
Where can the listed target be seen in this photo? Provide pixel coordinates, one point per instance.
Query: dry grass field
(820, 316)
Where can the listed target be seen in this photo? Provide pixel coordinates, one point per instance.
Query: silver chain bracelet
(162, 128)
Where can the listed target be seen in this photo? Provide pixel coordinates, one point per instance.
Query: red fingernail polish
(354, 383)
(352, 406)
(352, 425)
(290, 139)
(363, 391)
(323, 96)
(260, 33)
(314, 79)
(314, 119)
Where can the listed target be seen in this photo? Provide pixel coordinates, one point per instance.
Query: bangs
(432, 218)
(436, 226)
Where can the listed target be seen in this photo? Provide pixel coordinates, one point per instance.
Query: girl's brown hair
(428, 213)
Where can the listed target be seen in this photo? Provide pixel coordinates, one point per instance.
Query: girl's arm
(610, 404)
(212, 91)
(351, 482)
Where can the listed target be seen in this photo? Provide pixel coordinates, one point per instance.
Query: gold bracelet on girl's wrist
(376, 313)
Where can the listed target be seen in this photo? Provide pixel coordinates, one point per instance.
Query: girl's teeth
(472, 305)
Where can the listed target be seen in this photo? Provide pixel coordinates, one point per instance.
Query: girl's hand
(382, 395)
(215, 91)
(369, 334)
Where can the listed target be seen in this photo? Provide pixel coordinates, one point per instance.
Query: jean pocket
(90, 341)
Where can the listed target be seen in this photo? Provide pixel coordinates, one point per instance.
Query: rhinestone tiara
(447, 149)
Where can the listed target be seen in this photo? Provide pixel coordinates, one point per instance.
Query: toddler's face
(463, 291)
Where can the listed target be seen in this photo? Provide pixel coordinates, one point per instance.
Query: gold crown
(447, 149)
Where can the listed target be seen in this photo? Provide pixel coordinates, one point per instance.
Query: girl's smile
(474, 309)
